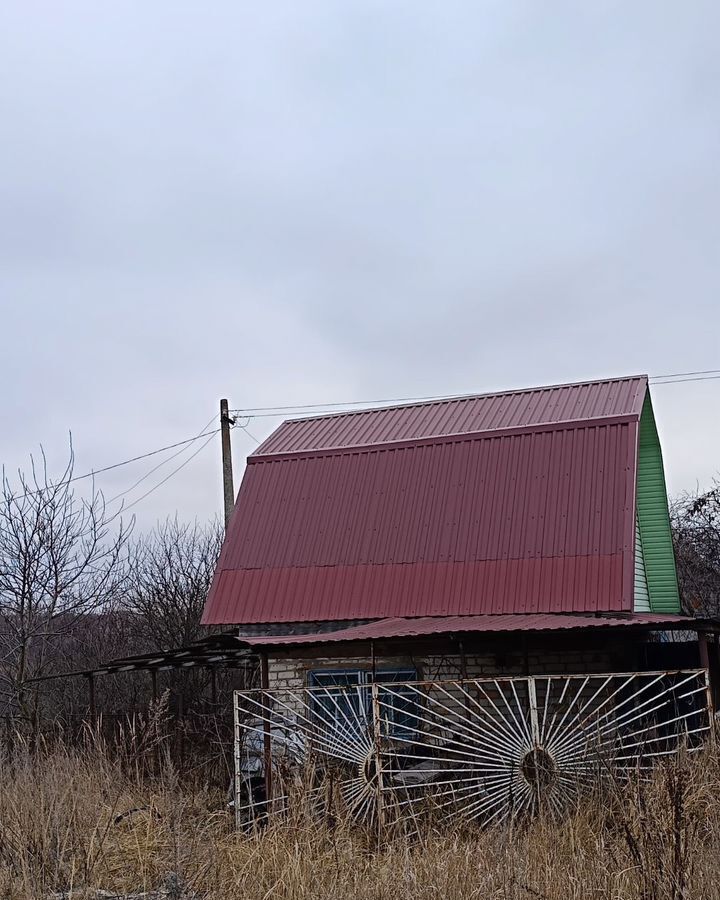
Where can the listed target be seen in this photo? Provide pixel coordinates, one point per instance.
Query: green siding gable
(654, 518)
(642, 597)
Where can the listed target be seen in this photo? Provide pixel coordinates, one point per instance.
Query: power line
(164, 462)
(272, 412)
(683, 374)
(126, 462)
(174, 472)
(244, 413)
(147, 475)
(686, 380)
(249, 433)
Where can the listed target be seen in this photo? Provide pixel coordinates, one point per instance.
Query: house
(516, 532)
(470, 596)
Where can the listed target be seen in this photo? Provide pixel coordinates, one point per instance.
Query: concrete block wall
(289, 677)
(292, 674)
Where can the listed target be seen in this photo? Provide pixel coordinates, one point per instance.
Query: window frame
(364, 678)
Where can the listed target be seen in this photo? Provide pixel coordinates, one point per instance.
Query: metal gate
(480, 750)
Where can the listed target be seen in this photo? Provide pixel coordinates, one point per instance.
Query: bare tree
(60, 558)
(169, 575)
(696, 535)
(96, 638)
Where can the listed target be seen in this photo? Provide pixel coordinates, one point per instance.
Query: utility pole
(228, 489)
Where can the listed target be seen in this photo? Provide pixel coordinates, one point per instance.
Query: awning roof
(429, 626)
(229, 650)
(215, 651)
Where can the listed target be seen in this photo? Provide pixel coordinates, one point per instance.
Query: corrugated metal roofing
(429, 626)
(462, 415)
(534, 518)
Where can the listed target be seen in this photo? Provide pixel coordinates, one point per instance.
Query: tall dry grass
(75, 819)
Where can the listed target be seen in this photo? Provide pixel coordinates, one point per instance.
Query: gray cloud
(309, 202)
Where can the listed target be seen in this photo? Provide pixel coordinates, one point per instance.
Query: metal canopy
(230, 650)
(216, 651)
(434, 626)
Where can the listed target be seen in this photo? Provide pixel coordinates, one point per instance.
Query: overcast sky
(326, 201)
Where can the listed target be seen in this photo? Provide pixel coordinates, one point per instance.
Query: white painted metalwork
(481, 750)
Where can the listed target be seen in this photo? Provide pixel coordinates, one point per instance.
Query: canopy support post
(91, 698)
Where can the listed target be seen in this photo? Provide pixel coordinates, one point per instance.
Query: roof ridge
(453, 398)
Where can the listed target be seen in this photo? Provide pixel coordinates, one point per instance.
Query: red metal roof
(462, 415)
(528, 517)
(429, 626)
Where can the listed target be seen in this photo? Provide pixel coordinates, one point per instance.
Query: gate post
(534, 724)
(710, 662)
(92, 707)
(236, 756)
(267, 734)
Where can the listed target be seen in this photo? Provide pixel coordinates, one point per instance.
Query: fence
(481, 750)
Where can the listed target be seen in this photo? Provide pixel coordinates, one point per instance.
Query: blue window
(399, 704)
(339, 706)
(343, 708)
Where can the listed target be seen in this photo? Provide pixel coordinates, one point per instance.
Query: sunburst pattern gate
(482, 749)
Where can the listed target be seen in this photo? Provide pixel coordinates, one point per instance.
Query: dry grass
(75, 820)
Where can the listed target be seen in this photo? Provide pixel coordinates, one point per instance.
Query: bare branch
(60, 559)
(696, 535)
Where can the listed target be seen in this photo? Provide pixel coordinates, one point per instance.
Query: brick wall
(292, 674)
